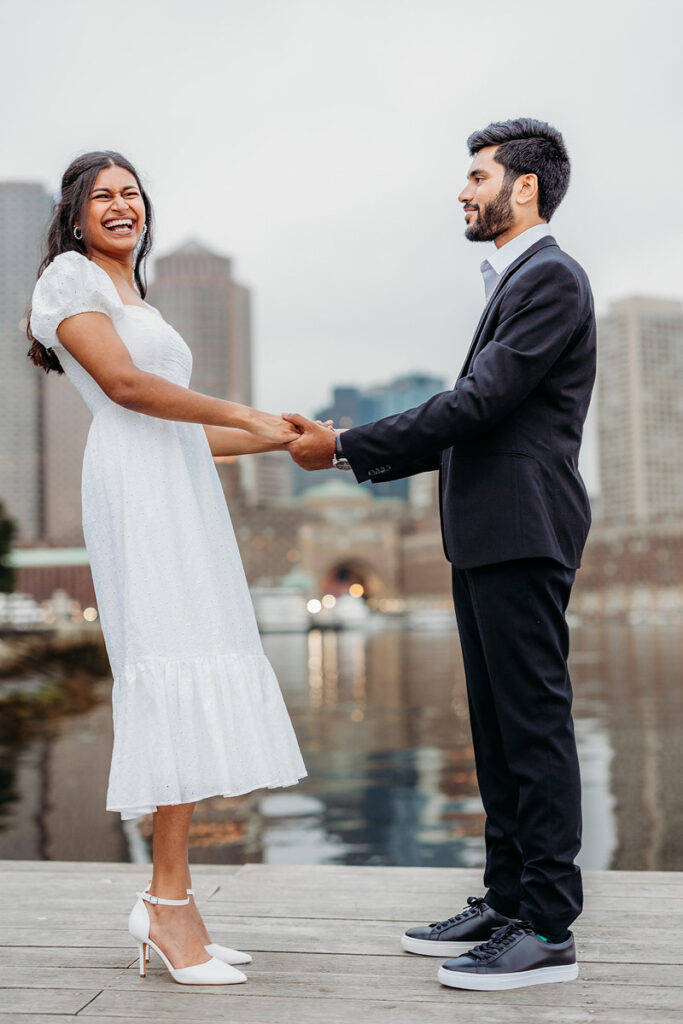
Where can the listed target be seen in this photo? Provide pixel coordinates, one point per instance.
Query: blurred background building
(640, 411)
(352, 406)
(24, 210)
(195, 291)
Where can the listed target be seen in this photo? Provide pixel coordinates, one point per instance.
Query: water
(382, 721)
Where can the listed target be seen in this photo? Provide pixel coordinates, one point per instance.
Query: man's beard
(495, 218)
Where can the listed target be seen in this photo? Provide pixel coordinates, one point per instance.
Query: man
(514, 517)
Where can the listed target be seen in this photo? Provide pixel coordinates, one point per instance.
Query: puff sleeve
(70, 284)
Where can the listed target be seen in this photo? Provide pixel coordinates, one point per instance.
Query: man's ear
(527, 189)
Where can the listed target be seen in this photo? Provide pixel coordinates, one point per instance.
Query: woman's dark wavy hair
(71, 209)
(526, 146)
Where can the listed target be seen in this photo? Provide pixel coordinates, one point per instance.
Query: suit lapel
(495, 298)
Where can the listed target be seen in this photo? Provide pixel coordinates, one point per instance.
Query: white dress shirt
(500, 259)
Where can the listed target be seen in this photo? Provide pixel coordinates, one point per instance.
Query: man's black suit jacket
(506, 438)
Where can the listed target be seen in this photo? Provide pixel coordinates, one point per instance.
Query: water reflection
(382, 722)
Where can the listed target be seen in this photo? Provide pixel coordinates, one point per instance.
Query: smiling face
(115, 213)
(487, 199)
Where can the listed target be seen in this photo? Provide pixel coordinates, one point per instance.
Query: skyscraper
(640, 410)
(66, 420)
(195, 290)
(24, 210)
(197, 294)
(352, 406)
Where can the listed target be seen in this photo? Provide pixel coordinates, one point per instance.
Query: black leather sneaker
(456, 934)
(515, 956)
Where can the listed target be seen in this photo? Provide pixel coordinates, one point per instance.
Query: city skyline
(174, 280)
(250, 384)
(324, 146)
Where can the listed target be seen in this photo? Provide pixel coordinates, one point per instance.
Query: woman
(197, 709)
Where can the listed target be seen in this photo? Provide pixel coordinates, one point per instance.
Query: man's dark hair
(526, 146)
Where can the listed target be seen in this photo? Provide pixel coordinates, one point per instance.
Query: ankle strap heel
(160, 899)
(213, 971)
(190, 892)
(234, 957)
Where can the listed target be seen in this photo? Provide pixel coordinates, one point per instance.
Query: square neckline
(125, 305)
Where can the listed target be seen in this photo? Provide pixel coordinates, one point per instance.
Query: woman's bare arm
(91, 338)
(232, 441)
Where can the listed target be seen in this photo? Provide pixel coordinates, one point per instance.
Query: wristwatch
(338, 460)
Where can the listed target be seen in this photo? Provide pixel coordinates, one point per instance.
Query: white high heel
(212, 972)
(224, 953)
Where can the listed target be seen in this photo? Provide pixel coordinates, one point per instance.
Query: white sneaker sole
(430, 947)
(497, 982)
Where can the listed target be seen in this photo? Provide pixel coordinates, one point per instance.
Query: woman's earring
(78, 234)
(144, 230)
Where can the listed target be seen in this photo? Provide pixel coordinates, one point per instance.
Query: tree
(8, 529)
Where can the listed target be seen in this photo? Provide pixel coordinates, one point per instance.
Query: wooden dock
(325, 942)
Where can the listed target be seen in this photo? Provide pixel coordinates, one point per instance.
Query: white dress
(197, 709)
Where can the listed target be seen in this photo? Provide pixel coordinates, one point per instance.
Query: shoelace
(475, 907)
(500, 939)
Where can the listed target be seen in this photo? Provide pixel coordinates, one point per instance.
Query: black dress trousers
(515, 642)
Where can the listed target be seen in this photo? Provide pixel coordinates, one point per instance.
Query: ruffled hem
(188, 729)
(139, 812)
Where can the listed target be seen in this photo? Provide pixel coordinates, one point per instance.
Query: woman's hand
(271, 428)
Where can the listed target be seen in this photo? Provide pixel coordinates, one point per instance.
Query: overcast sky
(321, 144)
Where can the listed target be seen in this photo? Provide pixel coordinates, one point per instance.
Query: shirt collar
(500, 259)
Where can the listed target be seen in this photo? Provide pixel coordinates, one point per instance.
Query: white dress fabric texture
(197, 708)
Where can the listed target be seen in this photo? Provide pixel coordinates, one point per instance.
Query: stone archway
(347, 575)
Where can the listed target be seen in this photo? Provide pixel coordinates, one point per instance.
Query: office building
(352, 406)
(640, 410)
(196, 292)
(266, 478)
(24, 211)
(66, 421)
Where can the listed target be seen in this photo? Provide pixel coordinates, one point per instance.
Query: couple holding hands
(197, 708)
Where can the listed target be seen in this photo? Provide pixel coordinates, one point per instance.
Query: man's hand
(314, 447)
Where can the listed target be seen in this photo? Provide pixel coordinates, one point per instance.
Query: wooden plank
(242, 1009)
(395, 966)
(494, 1015)
(70, 956)
(61, 913)
(46, 1000)
(321, 936)
(449, 890)
(416, 984)
(108, 895)
(418, 910)
(58, 891)
(48, 976)
(334, 977)
(73, 867)
(484, 1015)
(307, 873)
(48, 1018)
(642, 884)
(76, 963)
